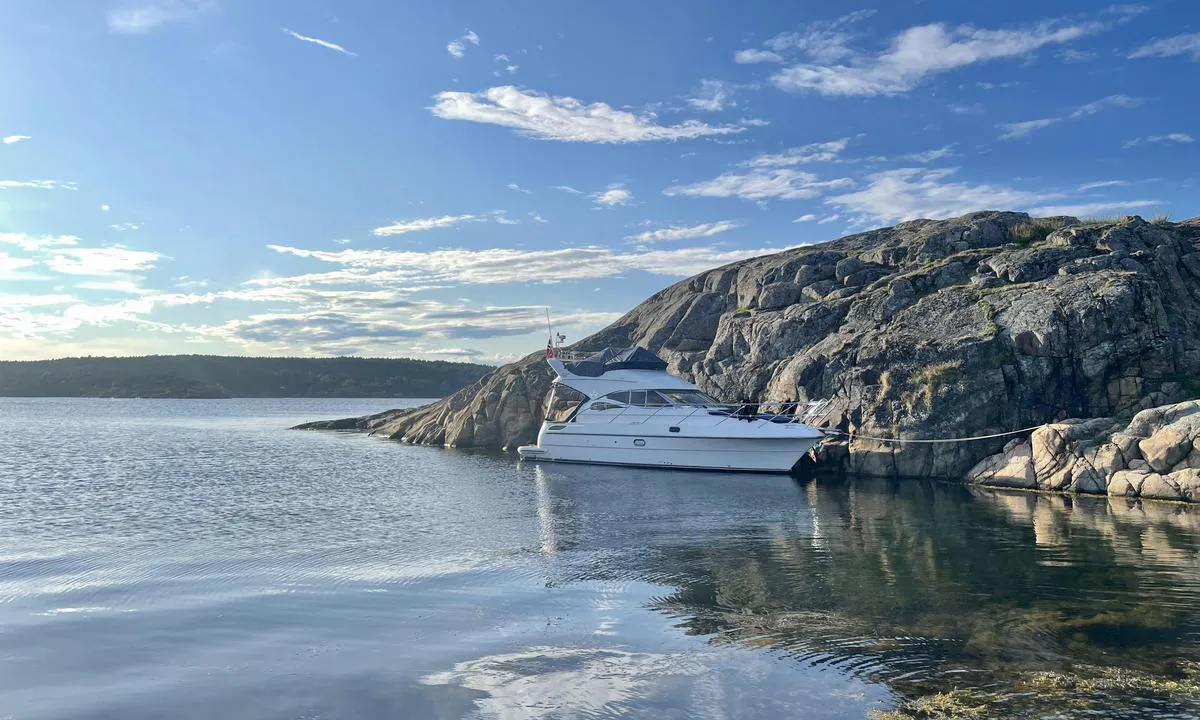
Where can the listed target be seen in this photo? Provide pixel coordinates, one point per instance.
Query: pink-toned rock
(1012, 468)
(1165, 448)
(1125, 483)
(1188, 482)
(1158, 487)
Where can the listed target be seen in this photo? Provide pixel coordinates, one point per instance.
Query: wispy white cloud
(15, 268)
(100, 261)
(494, 266)
(1071, 55)
(929, 156)
(565, 119)
(918, 53)
(1151, 139)
(1101, 184)
(403, 227)
(1120, 101)
(762, 184)
(1028, 127)
(569, 189)
(33, 243)
(14, 139)
(829, 218)
(517, 188)
(319, 41)
(811, 153)
(807, 217)
(822, 42)
(614, 194)
(458, 47)
(750, 57)
(149, 15)
(673, 233)
(1170, 47)
(714, 96)
(1087, 209)
(537, 218)
(37, 185)
(911, 193)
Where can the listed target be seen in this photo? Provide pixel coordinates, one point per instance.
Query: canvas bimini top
(610, 359)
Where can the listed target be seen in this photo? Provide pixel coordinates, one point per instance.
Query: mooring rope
(941, 440)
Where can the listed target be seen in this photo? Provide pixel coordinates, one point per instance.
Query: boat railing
(570, 356)
(774, 411)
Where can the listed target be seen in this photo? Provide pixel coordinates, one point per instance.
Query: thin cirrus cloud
(14, 139)
(1170, 47)
(37, 185)
(714, 96)
(669, 234)
(403, 227)
(149, 15)
(812, 153)
(761, 184)
(1153, 139)
(1086, 209)
(101, 261)
(319, 42)
(458, 48)
(911, 193)
(1101, 184)
(546, 117)
(494, 266)
(831, 67)
(1029, 127)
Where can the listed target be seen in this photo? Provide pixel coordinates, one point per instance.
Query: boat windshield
(688, 397)
(564, 401)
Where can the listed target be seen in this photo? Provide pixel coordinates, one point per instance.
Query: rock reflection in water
(1032, 603)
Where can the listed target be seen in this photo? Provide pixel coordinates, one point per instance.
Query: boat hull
(771, 455)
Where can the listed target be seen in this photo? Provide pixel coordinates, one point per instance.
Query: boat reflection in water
(1019, 603)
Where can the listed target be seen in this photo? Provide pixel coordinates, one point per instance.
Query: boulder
(1165, 448)
(779, 295)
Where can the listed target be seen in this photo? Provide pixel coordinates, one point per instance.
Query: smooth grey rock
(779, 295)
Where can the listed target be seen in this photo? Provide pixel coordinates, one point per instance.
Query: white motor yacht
(621, 407)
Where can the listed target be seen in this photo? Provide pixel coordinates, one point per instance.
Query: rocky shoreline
(1156, 455)
(956, 328)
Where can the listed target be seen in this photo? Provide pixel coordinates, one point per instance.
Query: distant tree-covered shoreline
(212, 376)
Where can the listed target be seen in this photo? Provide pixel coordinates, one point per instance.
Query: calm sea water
(196, 559)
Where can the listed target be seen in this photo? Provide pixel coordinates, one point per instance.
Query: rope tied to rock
(993, 436)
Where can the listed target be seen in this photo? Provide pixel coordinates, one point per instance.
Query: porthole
(639, 442)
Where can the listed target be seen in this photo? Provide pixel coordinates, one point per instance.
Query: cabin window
(621, 397)
(563, 403)
(602, 405)
(688, 397)
(637, 397)
(653, 399)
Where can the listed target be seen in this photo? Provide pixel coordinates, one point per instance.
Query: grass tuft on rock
(1035, 231)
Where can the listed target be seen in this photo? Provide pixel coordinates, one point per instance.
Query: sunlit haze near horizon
(423, 179)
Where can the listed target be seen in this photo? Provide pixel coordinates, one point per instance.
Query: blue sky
(423, 178)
